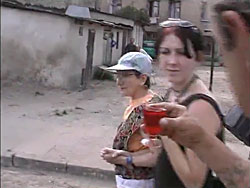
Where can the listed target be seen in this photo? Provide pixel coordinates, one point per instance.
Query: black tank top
(165, 176)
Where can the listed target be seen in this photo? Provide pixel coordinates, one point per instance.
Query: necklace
(181, 93)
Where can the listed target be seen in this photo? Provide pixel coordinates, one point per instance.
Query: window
(174, 9)
(154, 8)
(115, 6)
(204, 10)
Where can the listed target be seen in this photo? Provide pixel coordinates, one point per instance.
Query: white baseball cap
(133, 61)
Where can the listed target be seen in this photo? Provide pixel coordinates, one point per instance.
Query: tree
(133, 13)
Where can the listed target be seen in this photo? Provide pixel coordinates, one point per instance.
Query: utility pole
(212, 59)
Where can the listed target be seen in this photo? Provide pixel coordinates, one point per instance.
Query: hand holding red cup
(152, 116)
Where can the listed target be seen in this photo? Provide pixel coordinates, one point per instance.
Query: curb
(28, 163)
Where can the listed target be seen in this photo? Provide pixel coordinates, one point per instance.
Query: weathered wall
(48, 48)
(163, 12)
(42, 47)
(191, 10)
(104, 5)
(62, 3)
(139, 4)
(138, 35)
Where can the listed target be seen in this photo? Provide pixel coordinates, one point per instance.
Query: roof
(38, 8)
(73, 11)
(77, 12)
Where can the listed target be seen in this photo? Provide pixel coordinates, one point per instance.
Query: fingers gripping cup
(152, 117)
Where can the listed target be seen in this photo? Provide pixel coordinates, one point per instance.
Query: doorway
(107, 48)
(87, 72)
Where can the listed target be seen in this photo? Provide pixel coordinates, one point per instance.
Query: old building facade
(54, 48)
(198, 12)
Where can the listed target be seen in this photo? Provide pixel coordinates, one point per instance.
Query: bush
(133, 13)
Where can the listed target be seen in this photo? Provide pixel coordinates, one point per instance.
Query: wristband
(129, 160)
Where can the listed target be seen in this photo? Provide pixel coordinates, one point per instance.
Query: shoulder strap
(210, 100)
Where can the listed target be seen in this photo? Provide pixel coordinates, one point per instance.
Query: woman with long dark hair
(180, 50)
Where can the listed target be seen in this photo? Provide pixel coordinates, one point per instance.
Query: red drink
(152, 117)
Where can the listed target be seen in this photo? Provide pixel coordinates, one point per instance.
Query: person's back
(131, 47)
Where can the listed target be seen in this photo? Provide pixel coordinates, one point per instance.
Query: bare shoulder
(200, 88)
(206, 115)
(204, 110)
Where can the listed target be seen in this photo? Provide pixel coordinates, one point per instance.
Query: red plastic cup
(152, 116)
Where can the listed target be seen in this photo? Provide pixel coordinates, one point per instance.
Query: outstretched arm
(142, 158)
(186, 130)
(237, 57)
(230, 168)
(189, 168)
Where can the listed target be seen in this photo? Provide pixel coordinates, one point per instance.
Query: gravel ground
(20, 178)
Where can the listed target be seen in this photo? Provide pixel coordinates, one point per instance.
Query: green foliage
(100, 74)
(133, 13)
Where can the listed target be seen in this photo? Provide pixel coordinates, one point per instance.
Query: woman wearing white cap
(133, 161)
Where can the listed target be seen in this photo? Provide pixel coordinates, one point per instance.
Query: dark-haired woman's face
(173, 61)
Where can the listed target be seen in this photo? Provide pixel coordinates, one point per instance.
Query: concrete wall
(139, 4)
(137, 31)
(101, 5)
(138, 35)
(191, 10)
(163, 12)
(62, 3)
(41, 47)
(47, 48)
(104, 5)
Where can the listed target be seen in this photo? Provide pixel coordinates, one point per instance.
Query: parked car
(149, 47)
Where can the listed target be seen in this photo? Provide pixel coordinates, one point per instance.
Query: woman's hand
(112, 155)
(154, 144)
(114, 152)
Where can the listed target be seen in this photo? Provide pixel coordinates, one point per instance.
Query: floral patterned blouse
(128, 129)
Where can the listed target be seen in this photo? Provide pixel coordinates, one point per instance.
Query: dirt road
(100, 107)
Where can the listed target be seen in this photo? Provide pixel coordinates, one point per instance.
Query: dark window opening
(117, 40)
(154, 8)
(115, 6)
(204, 10)
(174, 9)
